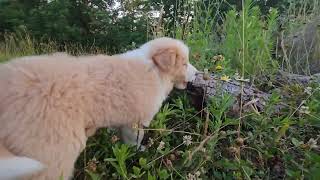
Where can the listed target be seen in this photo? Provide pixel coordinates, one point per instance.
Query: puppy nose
(191, 72)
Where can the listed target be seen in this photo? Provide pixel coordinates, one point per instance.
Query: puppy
(51, 104)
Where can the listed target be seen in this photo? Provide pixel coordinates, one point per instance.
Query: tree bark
(251, 98)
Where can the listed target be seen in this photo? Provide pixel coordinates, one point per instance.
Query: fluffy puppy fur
(51, 104)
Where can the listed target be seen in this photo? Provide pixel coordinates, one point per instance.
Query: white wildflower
(195, 176)
(161, 145)
(202, 170)
(187, 140)
(151, 142)
(304, 110)
(308, 90)
(312, 143)
(191, 177)
(198, 173)
(133, 44)
(203, 150)
(236, 76)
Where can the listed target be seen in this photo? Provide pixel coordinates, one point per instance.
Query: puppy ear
(165, 59)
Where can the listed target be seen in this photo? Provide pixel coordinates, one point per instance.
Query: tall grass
(22, 44)
(15, 45)
(208, 38)
(298, 43)
(199, 33)
(254, 49)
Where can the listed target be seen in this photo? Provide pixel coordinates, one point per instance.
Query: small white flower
(198, 173)
(308, 90)
(236, 76)
(202, 170)
(161, 145)
(195, 176)
(312, 143)
(191, 177)
(187, 140)
(151, 141)
(304, 110)
(203, 150)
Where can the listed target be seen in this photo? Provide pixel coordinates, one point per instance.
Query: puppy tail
(15, 167)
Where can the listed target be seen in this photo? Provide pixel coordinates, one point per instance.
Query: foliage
(87, 23)
(265, 141)
(184, 142)
(249, 40)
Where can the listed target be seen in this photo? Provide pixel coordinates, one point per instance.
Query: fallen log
(282, 78)
(251, 98)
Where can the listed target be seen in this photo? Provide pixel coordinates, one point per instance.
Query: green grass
(21, 44)
(209, 143)
(15, 45)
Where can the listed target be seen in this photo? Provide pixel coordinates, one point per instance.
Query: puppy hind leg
(132, 136)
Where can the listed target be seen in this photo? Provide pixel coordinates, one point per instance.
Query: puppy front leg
(132, 136)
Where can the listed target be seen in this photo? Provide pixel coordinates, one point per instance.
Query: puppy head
(172, 58)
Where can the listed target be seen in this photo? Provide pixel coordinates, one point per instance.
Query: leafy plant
(249, 40)
(121, 153)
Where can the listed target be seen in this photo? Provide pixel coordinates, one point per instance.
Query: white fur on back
(15, 167)
(146, 50)
(140, 54)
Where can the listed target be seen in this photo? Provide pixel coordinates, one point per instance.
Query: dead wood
(251, 98)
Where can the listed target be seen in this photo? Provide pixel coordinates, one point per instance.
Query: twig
(205, 130)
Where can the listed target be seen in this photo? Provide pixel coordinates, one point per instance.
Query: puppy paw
(141, 148)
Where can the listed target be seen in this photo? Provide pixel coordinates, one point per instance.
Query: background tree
(89, 23)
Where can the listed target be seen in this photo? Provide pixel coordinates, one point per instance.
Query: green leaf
(296, 142)
(163, 174)
(93, 175)
(136, 170)
(286, 124)
(150, 177)
(143, 162)
(248, 171)
(110, 159)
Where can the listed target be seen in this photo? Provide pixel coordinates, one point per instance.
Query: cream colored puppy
(51, 104)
